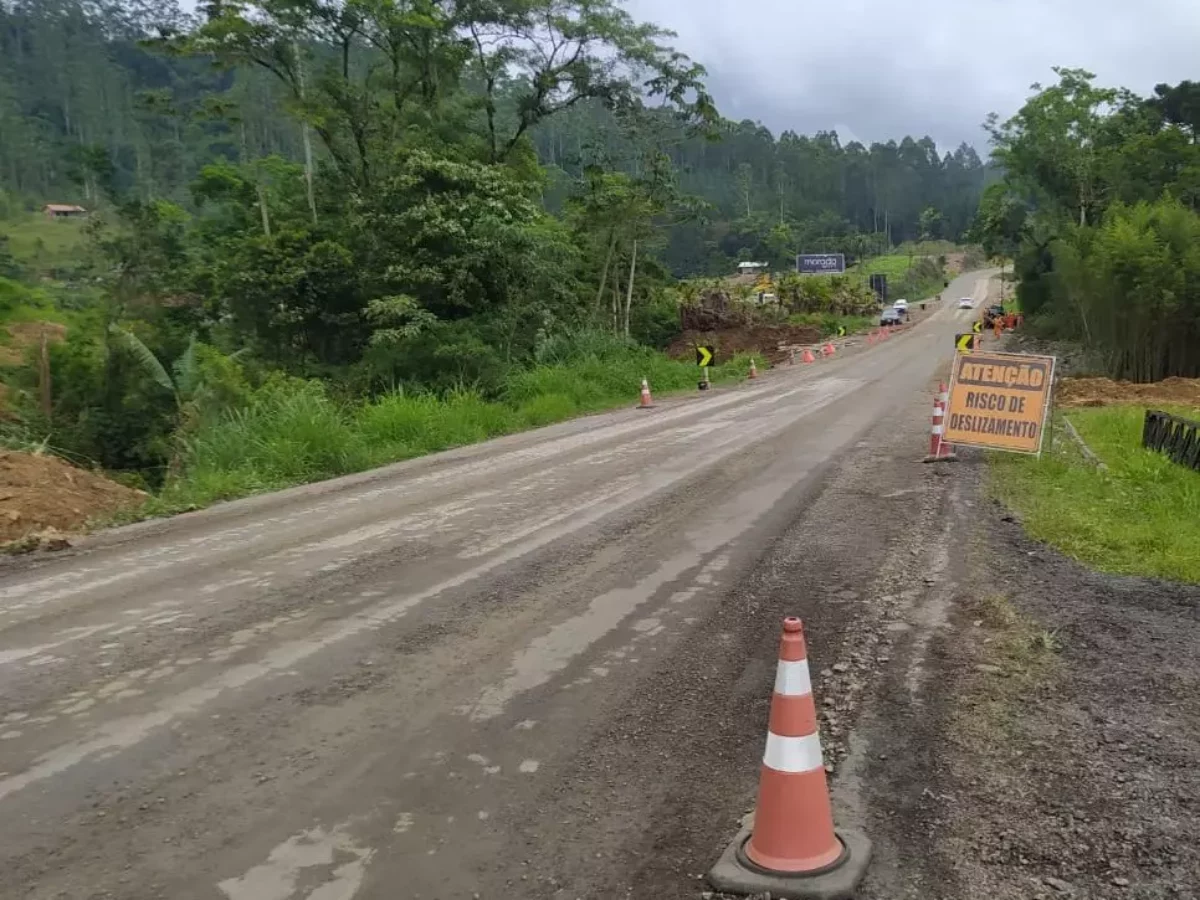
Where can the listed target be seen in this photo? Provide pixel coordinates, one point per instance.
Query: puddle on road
(276, 879)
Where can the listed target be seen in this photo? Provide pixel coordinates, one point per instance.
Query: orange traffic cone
(808, 357)
(828, 349)
(753, 368)
(792, 849)
(871, 337)
(647, 401)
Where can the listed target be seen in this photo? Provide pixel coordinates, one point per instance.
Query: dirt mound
(765, 341)
(1106, 392)
(40, 493)
(23, 335)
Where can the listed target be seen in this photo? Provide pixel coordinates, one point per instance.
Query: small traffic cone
(871, 338)
(828, 349)
(647, 401)
(792, 849)
(753, 369)
(939, 450)
(807, 357)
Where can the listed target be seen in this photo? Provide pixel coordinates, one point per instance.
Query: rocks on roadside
(1063, 887)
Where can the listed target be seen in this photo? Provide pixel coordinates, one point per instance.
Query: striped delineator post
(939, 450)
(791, 849)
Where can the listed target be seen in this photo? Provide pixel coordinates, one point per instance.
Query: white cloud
(886, 68)
(880, 69)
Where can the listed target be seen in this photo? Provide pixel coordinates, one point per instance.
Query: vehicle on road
(890, 317)
(966, 303)
(901, 304)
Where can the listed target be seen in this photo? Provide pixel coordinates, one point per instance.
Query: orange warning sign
(999, 401)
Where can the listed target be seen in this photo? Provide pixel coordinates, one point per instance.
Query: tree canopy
(382, 194)
(1099, 207)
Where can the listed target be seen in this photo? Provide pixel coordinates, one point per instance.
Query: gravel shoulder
(1050, 749)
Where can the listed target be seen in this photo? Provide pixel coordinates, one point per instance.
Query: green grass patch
(1141, 516)
(911, 278)
(46, 248)
(295, 432)
(829, 322)
(893, 266)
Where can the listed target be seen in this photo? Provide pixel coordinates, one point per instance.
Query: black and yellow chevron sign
(704, 356)
(977, 327)
(964, 343)
(841, 331)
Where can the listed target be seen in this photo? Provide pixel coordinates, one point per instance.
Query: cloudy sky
(878, 69)
(875, 69)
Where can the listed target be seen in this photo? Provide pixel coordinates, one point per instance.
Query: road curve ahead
(383, 686)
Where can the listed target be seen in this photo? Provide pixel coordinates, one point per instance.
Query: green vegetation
(1098, 207)
(912, 277)
(324, 235)
(1141, 515)
(829, 323)
(45, 248)
(290, 432)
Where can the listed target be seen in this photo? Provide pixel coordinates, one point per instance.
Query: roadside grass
(830, 322)
(1140, 516)
(296, 433)
(893, 265)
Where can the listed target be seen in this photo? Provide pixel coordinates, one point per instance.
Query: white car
(966, 303)
(900, 304)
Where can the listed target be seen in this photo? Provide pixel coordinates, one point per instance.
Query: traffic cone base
(735, 873)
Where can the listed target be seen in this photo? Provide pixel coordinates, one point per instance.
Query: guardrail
(1174, 436)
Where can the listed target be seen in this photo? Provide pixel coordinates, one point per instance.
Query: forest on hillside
(301, 206)
(1100, 206)
(83, 87)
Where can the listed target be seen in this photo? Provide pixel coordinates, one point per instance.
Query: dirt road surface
(537, 667)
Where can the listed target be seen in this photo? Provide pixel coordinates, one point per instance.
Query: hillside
(270, 286)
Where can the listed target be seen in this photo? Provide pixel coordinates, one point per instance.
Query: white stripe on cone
(793, 754)
(792, 678)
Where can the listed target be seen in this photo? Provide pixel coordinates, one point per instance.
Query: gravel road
(537, 667)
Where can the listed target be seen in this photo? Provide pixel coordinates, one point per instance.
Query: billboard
(821, 263)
